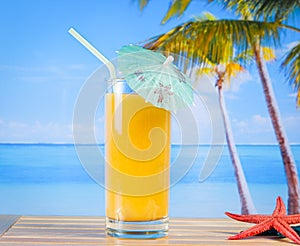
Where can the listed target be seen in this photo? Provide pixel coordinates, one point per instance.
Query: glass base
(137, 229)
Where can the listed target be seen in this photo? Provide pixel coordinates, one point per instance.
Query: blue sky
(42, 67)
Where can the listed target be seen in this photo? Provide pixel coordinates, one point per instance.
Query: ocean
(49, 179)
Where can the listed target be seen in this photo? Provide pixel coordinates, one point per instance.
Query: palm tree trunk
(245, 197)
(287, 156)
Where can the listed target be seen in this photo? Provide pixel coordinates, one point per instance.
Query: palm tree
(209, 52)
(224, 73)
(195, 38)
(277, 11)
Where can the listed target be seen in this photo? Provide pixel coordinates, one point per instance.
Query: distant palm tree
(223, 73)
(208, 37)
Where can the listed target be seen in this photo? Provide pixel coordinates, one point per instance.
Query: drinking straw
(112, 71)
(94, 51)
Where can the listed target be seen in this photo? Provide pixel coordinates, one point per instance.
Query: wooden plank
(6, 221)
(40, 231)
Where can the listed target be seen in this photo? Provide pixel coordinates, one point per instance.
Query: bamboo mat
(56, 230)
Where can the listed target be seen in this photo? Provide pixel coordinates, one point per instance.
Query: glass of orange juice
(137, 153)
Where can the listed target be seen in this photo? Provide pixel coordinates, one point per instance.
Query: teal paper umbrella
(155, 77)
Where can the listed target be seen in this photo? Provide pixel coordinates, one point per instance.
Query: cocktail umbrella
(155, 77)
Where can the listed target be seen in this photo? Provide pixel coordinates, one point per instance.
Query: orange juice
(138, 156)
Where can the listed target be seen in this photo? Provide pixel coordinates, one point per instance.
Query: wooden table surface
(58, 230)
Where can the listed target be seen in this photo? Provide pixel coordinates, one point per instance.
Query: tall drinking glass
(137, 153)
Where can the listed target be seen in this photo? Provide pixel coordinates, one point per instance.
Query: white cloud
(261, 120)
(15, 68)
(34, 79)
(232, 96)
(77, 67)
(256, 124)
(256, 129)
(50, 132)
(292, 121)
(282, 51)
(49, 68)
(291, 45)
(259, 129)
(49, 73)
(236, 82)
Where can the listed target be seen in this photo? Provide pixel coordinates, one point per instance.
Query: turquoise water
(48, 179)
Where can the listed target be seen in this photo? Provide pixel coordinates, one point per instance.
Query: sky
(43, 68)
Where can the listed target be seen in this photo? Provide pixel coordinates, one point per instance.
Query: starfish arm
(281, 226)
(254, 230)
(254, 218)
(292, 219)
(280, 209)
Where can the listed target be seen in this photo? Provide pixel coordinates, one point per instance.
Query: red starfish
(279, 220)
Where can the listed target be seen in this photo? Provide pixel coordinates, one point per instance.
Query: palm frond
(269, 10)
(278, 10)
(291, 65)
(215, 40)
(232, 69)
(268, 54)
(142, 4)
(244, 57)
(204, 70)
(176, 8)
(205, 16)
(247, 56)
(243, 8)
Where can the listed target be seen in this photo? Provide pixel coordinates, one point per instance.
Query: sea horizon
(172, 144)
(50, 179)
